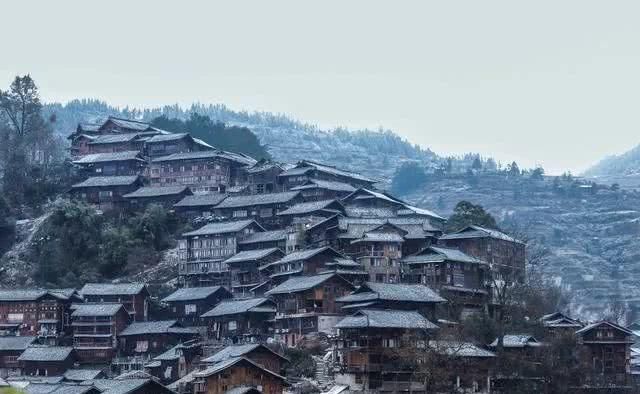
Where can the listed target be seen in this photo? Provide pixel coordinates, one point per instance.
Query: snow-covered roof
(436, 254)
(328, 185)
(305, 208)
(372, 291)
(233, 307)
(222, 227)
(201, 200)
(252, 255)
(237, 351)
(264, 236)
(373, 318)
(46, 353)
(107, 181)
(479, 232)
(109, 156)
(460, 349)
(96, 309)
(301, 283)
(157, 191)
(193, 293)
(112, 288)
(148, 327)
(516, 341)
(257, 199)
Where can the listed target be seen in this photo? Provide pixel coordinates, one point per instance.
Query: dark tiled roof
(112, 289)
(479, 232)
(124, 386)
(233, 307)
(306, 254)
(107, 181)
(329, 185)
(46, 353)
(167, 137)
(21, 295)
(439, 254)
(157, 191)
(379, 236)
(373, 318)
(460, 349)
(300, 283)
(111, 156)
(15, 343)
(193, 293)
(252, 255)
(306, 165)
(80, 375)
(371, 291)
(96, 309)
(222, 228)
(257, 199)
(88, 127)
(201, 200)
(208, 154)
(237, 351)
(128, 123)
(221, 366)
(148, 327)
(591, 326)
(310, 207)
(264, 236)
(113, 138)
(516, 341)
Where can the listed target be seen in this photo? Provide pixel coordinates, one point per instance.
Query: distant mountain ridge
(627, 163)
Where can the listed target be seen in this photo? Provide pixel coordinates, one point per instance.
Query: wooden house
(369, 203)
(112, 143)
(11, 347)
(202, 252)
(258, 353)
(558, 323)
(105, 191)
(262, 177)
(505, 253)
(317, 189)
(461, 278)
(241, 320)
(466, 366)
(175, 363)
(133, 296)
(264, 240)
(607, 353)
(168, 144)
(307, 170)
(238, 372)
(95, 330)
(307, 304)
(244, 265)
(46, 360)
(198, 205)
(166, 196)
(320, 209)
(203, 171)
(38, 312)
(187, 304)
(112, 164)
(350, 270)
(412, 297)
(302, 262)
(133, 385)
(380, 252)
(153, 337)
(261, 207)
(369, 345)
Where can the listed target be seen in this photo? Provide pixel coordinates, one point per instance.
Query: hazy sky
(555, 83)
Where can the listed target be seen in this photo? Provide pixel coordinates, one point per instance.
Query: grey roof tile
(440, 254)
(201, 200)
(15, 343)
(46, 353)
(112, 289)
(22, 295)
(479, 232)
(371, 291)
(96, 310)
(81, 375)
(113, 138)
(310, 207)
(107, 181)
(148, 327)
(301, 283)
(111, 156)
(222, 227)
(460, 349)
(373, 318)
(264, 236)
(329, 185)
(257, 199)
(233, 307)
(156, 191)
(193, 293)
(252, 255)
(221, 366)
(167, 137)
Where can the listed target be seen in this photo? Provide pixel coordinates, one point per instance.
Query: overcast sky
(554, 83)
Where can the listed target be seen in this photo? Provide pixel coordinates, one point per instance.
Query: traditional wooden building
(348, 269)
(505, 253)
(262, 177)
(168, 144)
(166, 196)
(607, 353)
(106, 191)
(238, 372)
(264, 240)
(112, 164)
(369, 203)
(153, 337)
(95, 331)
(189, 303)
(463, 279)
(307, 170)
(559, 323)
(261, 207)
(307, 262)
(176, 362)
(243, 320)
(132, 385)
(321, 209)
(11, 347)
(258, 353)
(133, 296)
(369, 348)
(244, 265)
(466, 366)
(203, 171)
(317, 189)
(308, 304)
(112, 143)
(46, 360)
(199, 205)
(203, 251)
(380, 252)
(412, 297)
(41, 313)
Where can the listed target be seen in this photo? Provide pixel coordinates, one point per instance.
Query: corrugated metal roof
(110, 156)
(112, 288)
(257, 199)
(156, 191)
(222, 227)
(46, 353)
(233, 307)
(373, 318)
(193, 293)
(106, 181)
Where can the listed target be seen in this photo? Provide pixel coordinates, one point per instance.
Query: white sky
(554, 83)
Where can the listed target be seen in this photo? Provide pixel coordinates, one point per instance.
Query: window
(190, 309)
(240, 214)
(232, 325)
(389, 342)
(15, 317)
(260, 188)
(142, 346)
(266, 212)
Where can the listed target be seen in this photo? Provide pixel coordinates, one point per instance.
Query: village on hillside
(374, 295)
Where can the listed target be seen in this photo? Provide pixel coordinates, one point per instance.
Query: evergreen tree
(407, 178)
(466, 213)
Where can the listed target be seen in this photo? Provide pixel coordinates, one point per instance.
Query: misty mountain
(627, 163)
